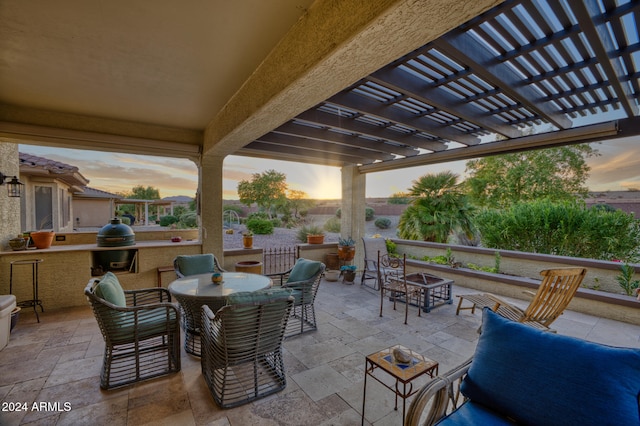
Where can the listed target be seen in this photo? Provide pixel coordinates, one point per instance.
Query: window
(44, 207)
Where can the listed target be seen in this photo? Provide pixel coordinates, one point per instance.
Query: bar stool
(34, 280)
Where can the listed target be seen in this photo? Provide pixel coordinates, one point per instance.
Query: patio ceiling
(155, 78)
(523, 68)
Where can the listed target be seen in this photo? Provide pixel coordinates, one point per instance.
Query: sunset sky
(616, 169)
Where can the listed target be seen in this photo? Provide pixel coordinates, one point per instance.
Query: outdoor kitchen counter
(65, 269)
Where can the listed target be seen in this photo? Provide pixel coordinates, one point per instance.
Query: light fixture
(14, 186)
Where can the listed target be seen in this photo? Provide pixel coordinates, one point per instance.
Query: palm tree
(438, 209)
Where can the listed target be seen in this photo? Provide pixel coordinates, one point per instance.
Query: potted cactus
(346, 249)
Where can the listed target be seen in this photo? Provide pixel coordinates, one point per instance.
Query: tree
(553, 173)
(439, 207)
(141, 193)
(297, 200)
(266, 189)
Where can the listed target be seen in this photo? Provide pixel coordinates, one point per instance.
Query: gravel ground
(283, 237)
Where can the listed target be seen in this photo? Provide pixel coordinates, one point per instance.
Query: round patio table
(196, 290)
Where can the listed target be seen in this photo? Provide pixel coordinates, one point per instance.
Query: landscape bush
(189, 220)
(260, 226)
(566, 228)
(369, 213)
(332, 225)
(168, 220)
(382, 223)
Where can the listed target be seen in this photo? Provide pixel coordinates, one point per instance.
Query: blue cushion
(471, 413)
(195, 264)
(303, 270)
(542, 378)
(109, 289)
(258, 297)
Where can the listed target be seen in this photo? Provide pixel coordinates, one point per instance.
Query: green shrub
(189, 220)
(382, 223)
(626, 281)
(339, 213)
(260, 226)
(562, 229)
(308, 230)
(399, 198)
(168, 220)
(391, 246)
(332, 225)
(369, 213)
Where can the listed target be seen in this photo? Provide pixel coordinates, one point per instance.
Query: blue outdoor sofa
(521, 375)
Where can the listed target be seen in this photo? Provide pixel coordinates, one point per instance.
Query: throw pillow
(109, 289)
(537, 377)
(303, 270)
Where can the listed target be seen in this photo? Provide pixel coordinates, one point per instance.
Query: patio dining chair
(392, 276)
(304, 280)
(554, 294)
(140, 330)
(242, 346)
(195, 264)
(372, 246)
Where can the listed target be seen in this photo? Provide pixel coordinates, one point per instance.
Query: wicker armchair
(392, 276)
(304, 280)
(556, 290)
(140, 329)
(242, 347)
(372, 246)
(195, 264)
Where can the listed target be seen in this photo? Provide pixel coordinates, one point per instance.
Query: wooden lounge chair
(556, 290)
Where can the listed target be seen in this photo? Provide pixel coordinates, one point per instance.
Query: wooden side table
(403, 373)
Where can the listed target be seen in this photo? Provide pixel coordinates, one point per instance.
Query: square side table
(403, 373)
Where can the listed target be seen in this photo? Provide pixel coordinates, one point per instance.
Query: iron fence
(279, 259)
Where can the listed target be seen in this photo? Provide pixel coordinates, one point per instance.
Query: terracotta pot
(42, 239)
(250, 266)
(247, 241)
(346, 252)
(315, 239)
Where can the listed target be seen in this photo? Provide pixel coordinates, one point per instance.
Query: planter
(332, 261)
(348, 276)
(346, 253)
(42, 239)
(247, 241)
(14, 317)
(249, 266)
(18, 244)
(331, 275)
(315, 239)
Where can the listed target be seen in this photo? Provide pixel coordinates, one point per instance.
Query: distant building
(627, 201)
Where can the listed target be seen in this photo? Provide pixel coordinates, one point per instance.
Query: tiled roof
(47, 164)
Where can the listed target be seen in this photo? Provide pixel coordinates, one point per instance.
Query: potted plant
(42, 238)
(348, 273)
(346, 249)
(247, 240)
(315, 238)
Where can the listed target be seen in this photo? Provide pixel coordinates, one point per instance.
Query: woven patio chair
(371, 248)
(195, 264)
(554, 294)
(242, 346)
(304, 280)
(392, 276)
(140, 329)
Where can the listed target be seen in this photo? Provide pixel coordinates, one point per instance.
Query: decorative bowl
(176, 239)
(18, 244)
(216, 278)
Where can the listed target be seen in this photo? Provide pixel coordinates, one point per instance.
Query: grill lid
(116, 234)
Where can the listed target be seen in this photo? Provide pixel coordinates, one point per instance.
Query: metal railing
(279, 259)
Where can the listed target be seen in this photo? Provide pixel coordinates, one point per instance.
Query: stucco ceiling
(165, 62)
(383, 84)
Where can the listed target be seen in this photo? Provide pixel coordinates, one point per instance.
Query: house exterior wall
(10, 211)
(61, 219)
(92, 213)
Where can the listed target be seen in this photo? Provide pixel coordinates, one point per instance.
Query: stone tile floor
(57, 362)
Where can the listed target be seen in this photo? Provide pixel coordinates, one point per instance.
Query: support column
(210, 202)
(353, 209)
(9, 207)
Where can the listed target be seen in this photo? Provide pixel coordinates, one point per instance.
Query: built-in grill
(114, 234)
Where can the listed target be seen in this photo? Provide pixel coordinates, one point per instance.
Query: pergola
(365, 86)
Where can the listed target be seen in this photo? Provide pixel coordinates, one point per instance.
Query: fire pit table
(437, 291)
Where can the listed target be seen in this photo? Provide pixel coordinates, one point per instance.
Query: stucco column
(353, 209)
(10, 211)
(210, 195)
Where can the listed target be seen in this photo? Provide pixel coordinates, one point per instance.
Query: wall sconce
(14, 186)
